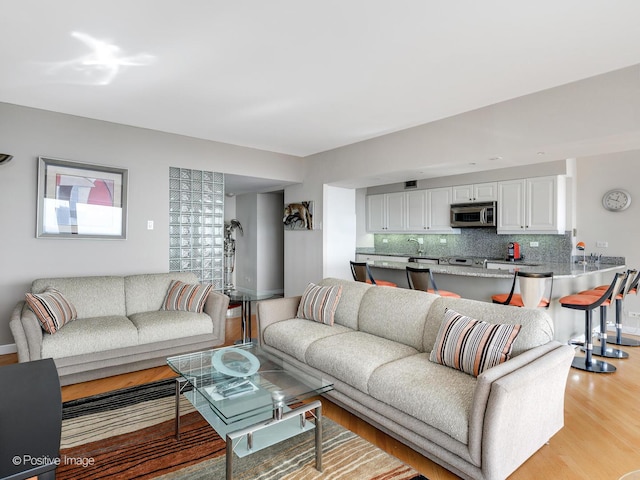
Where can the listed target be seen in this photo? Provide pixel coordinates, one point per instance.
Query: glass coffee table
(251, 398)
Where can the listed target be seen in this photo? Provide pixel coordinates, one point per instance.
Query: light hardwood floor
(600, 440)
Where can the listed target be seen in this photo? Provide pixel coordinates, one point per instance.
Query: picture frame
(298, 216)
(81, 200)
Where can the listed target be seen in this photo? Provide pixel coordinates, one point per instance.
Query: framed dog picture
(298, 216)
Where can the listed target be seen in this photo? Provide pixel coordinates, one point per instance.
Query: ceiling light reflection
(100, 66)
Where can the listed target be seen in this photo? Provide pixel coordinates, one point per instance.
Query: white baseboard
(6, 349)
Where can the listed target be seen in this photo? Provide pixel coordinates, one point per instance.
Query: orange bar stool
(632, 288)
(536, 290)
(588, 303)
(362, 273)
(422, 279)
(603, 350)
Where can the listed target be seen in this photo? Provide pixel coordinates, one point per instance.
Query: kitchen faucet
(420, 251)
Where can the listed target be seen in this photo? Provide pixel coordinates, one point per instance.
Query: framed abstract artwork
(298, 216)
(79, 200)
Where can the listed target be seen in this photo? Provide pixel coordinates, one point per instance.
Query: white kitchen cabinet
(416, 211)
(365, 257)
(429, 211)
(532, 205)
(439, 210)
(386, 212)
(479, 192)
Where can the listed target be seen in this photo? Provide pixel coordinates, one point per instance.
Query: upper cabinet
(386, 213)
(439, 210)
(417, 211)
(532, 205)
(479, 192)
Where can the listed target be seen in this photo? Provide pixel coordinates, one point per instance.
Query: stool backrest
(361, 272)
(536, 289)
(616, 288)
(633, 279)
(421, 279)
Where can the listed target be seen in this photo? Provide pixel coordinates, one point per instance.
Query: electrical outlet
(385, 240)
(443, 240)
(602, 244)
(534, 244)
(149, 224)
(420, 240)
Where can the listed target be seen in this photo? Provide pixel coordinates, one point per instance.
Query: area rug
(129, 434)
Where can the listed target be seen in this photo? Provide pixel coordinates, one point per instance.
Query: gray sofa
(120, 327)
(377, 355)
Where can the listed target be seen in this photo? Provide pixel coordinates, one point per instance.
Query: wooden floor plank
(600, 440)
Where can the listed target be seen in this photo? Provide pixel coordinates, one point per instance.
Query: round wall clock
(616, 200)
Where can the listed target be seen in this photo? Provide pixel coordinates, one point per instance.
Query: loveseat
(121, 325)
(378, 352)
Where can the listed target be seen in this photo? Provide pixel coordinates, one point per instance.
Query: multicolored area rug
(129, 434)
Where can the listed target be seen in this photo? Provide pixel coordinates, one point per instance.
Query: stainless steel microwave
(481, 214)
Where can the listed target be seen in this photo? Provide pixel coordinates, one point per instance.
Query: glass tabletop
(251, 296)
(243, 381)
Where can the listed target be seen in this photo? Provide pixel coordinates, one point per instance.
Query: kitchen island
(481, 283)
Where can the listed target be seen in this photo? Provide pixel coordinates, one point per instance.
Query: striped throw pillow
(470, 345)
(52, 309)
(319, 303)
(186, 297)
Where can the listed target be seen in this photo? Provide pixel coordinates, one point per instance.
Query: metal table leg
(232, 437)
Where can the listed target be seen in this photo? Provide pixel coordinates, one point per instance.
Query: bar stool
(362, 273)
(632, 287)
(422, 279)
(602, 350)
(588, 303)
(536, 290)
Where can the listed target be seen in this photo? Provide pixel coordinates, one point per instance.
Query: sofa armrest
(216, 307)
(275, 310)
(27, 333)
(525, 409)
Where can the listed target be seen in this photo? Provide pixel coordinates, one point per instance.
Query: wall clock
(616, 200)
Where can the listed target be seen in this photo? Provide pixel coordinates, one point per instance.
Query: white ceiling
(301, 77)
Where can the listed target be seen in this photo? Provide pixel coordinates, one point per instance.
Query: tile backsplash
(478, 242)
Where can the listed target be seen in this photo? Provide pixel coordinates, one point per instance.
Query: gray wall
(28, 133)
(260, 250)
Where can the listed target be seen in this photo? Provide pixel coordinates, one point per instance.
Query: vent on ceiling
(411, 184)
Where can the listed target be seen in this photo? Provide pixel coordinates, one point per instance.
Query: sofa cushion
(90, 335)
(397, 314)
(91, 296)
(52, 309)
(319, 303)
(537, 325)
(436, 395)
(146, 292)
(186, 297)
(352, 292)
(294, 336)
(168, 325)
(471, 345)
(352, 357)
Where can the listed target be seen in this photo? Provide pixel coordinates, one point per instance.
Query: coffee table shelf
(251, 398)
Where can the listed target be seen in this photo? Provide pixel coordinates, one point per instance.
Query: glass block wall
(196, 224)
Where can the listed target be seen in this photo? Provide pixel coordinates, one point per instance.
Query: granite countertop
(560, 270)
